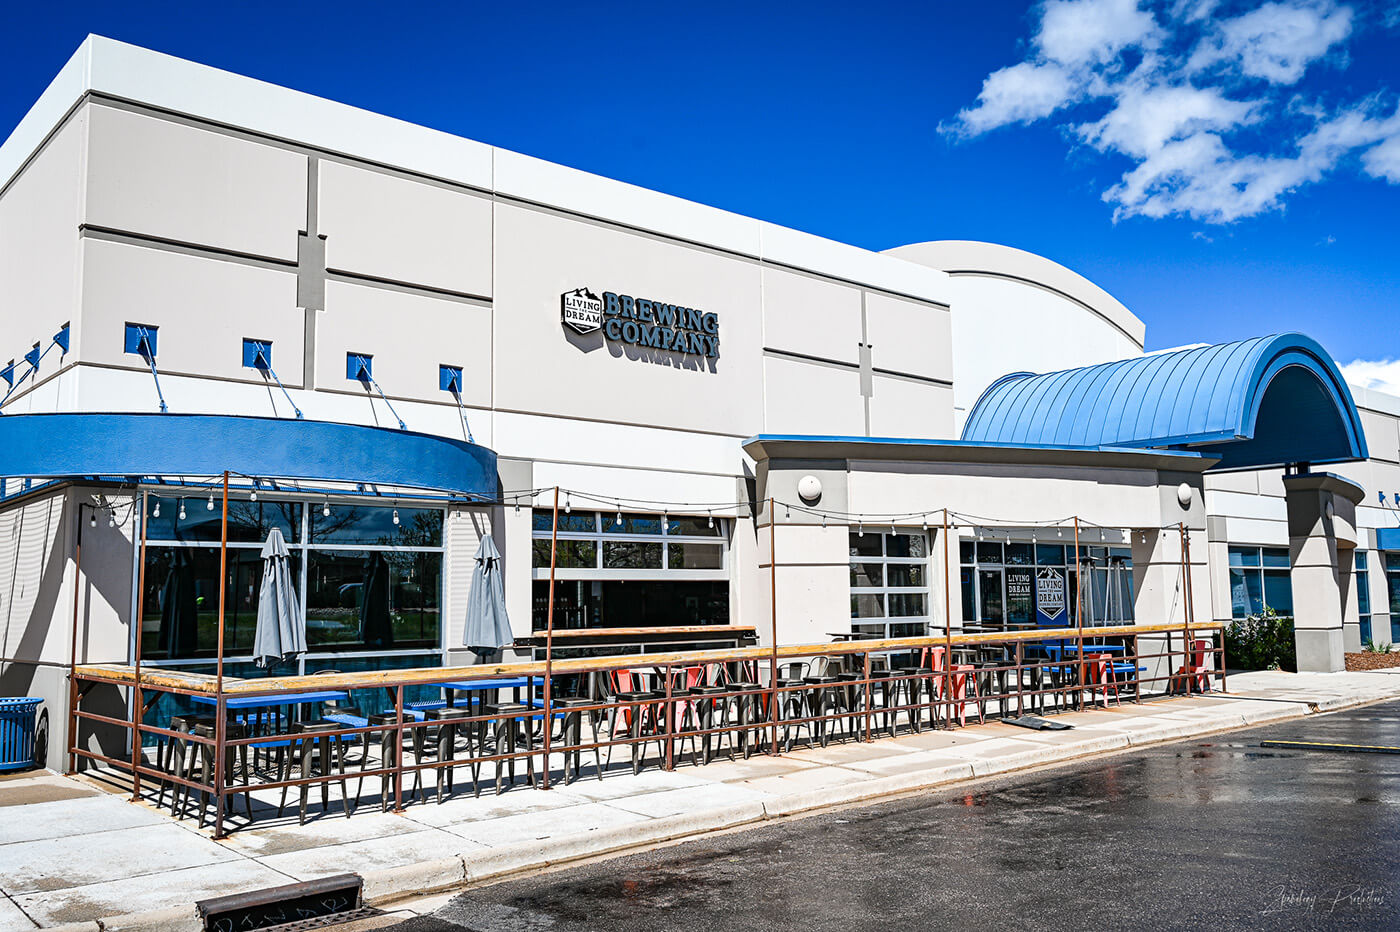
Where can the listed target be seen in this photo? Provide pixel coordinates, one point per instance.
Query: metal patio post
(221, 715)
(1079, 609)
(947, 630)
(139, 622)
(73, 656)
(549, 643)
(773, 620)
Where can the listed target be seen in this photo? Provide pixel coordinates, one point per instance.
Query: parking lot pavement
(1211, 833)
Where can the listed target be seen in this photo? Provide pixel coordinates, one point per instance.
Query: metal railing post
(549, 646)
(398, 750)
(670, 722)
(773, 612)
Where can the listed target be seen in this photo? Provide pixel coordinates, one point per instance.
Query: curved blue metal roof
(74, 445)
(1263, 402)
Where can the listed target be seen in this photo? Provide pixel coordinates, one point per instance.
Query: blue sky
(1224, 168)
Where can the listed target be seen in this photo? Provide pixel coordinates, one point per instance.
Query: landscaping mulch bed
(1369, 661)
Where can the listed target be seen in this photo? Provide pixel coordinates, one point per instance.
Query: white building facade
(176, 237)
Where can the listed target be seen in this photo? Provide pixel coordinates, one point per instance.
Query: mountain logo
(581, 309)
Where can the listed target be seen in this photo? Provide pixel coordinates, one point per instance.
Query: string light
(568, 506)
(712, 518)
(112, 518)
(619, 514)
(326, 508)
(860, 529)
(182, 509)
(210, 506)
(253, 495)
(155, 512)
(92, 519)
(396, 516)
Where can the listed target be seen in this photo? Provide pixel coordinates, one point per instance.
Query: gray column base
(1319, 650)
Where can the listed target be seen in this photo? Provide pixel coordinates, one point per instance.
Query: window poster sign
(1018, 593)
(1049, 595)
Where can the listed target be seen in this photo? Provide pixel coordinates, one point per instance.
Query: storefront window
(1363, 595)
(889, 583)
(1259, 579)
(648, 570)
(1019, 583)
(381, 593)
(1392, 580)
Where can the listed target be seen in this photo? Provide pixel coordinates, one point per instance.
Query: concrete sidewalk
(76, 851)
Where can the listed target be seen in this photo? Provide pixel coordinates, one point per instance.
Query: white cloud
(1277, 41)
(1147, 116)
(1019, 94)
(1077, 32)
(1196, 102)
(1383, 161)
(1381, 375)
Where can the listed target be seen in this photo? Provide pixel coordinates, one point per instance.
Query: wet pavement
(1210, 833)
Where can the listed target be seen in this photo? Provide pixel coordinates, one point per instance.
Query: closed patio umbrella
(281, 631)
(487, 628)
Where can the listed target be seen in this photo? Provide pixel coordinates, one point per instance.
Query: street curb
(386, 886)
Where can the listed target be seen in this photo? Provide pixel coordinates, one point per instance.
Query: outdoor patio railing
(715, 702)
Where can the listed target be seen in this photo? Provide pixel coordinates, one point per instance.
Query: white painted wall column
(1321, 524)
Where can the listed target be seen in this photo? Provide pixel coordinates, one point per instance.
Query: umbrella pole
(221, 718)
(549, 641)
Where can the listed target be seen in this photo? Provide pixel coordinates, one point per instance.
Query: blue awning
(70, 446)
(1265, 402)
(1388, 538)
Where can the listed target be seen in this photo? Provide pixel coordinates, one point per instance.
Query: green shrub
(1261, 642)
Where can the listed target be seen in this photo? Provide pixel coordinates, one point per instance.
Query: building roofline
(993, 260)
(118, 70)
(821, 447)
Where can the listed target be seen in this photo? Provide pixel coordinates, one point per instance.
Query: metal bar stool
(511, 731)
(447, 731)
(171, 758)
(386, 751)
(232, 731)
(571, 735)
(313, 745)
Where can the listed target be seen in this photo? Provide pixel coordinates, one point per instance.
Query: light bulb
(396, 516)
(619, 517)
(712, 518)
(326, 510)
(665, 522)
(568, 505)
(182, 509)
(925, 522)
(111, 519)
(210, 506)
(253, 495)
(860, 529)
(155, 512)
(92, 521)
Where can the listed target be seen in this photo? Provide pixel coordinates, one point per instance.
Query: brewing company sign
(642, 322)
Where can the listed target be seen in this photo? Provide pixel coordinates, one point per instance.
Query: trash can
(17, 727)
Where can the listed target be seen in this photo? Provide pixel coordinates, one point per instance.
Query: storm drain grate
(320, 922)
(312, 904)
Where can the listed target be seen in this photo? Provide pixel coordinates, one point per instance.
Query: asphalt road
(1202, 834)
